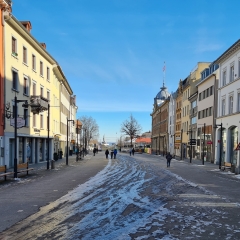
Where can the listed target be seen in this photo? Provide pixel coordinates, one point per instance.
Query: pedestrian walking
(130, 152)
(115, 153)
(111, 154)
(94, 151)
(133, 151)
(106, 153)
(169, 158)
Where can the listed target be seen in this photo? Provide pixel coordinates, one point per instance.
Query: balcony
(38, 104)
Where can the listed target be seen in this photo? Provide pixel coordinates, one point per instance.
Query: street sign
(238, 147)
(193, 141)
(20, 122)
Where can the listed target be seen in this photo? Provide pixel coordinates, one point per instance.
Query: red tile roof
(143, 140)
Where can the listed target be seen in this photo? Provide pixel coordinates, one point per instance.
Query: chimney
(43, 45)
(27, 25)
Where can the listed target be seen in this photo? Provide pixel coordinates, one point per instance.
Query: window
(231, 73)
(210, 111)
(33, 62)
(41, 91)
(25, 85)
(26, 117)
(34, 120)
(14, 45)
(41, 68)
(207, 112)
(24, 55)
(239, 68)
(211, 90)
(34, 89)
(203, 94)
(200, 96)
(238, 102)
(230, 104)
(224, 78)
(41, 121)
(199, 115)
(203, 113)
(14, 80)
(223, 107)
(193, 120)
(48, 74)
(207, 93)
(48, 95)
(194, 104)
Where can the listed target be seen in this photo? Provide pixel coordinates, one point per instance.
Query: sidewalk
(23, 197)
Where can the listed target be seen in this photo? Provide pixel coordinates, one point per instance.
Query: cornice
(21, 30)
(61, 77)
(235, 47)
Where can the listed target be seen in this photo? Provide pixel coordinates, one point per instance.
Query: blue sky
(113, 51)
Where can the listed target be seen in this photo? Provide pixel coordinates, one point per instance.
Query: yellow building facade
(29, 77)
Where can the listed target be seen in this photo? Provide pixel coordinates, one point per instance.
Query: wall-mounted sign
(37, 130)
(20, 122)
(209, 142)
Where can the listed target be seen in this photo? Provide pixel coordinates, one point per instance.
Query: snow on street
(133, 199)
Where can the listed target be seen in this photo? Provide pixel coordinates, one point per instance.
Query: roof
(143, 140)
(229, 51)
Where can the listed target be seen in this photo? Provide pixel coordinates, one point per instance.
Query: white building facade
(229, 107)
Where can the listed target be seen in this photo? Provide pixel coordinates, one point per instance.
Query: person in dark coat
(94, 151)
(169, 158)
(130, 152)
(111, 154)
(133, 151)
(106, 153)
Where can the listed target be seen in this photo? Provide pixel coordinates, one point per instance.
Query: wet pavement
(135, 197)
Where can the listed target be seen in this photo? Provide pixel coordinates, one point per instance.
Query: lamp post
(79, 127)
(173, 135)
(191, 143)
(181, 145)
(16, 101)
(221, 145)
(48, 123)
(67, 139)
(203, 144)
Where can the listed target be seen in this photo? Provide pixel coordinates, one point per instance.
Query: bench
(4, 173)
(226, 165)
(23, 167)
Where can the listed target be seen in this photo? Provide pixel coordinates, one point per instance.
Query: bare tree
(131, 128)
(90, 128)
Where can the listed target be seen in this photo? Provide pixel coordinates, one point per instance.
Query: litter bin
(52, 164)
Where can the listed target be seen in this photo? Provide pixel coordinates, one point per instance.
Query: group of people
(113, 153)
(132, 151)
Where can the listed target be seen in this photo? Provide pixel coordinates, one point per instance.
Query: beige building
(178, 121)
(189, 110)
(206, 107)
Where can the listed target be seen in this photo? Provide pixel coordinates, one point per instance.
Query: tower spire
(164, 71)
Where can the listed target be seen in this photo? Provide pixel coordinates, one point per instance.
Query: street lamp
(220, 142)
(79, 127)
(204, 125)
(191, 143)
(67, 139)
